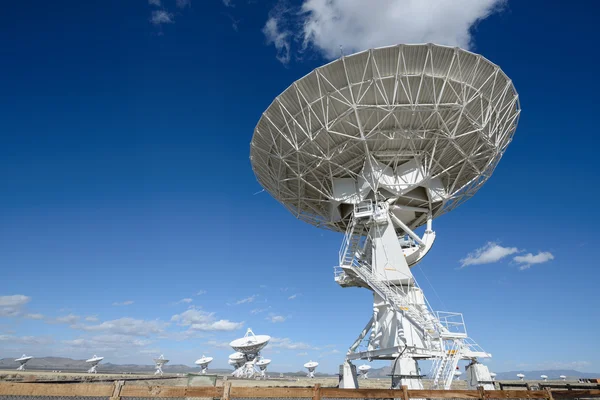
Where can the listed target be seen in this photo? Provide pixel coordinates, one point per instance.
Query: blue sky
(130, 219)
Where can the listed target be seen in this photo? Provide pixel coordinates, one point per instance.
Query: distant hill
(510, 375)
(70, 365)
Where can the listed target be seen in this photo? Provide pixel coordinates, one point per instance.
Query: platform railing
(120, 390)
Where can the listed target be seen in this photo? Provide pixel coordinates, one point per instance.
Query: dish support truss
(247, 368)
(403, 328)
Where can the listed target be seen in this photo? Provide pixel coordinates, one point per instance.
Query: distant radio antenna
(493, 375)
(563, 377)
(94, 361)
(262, 365)
(311, 366)
(364, 371)
(159, 363)
(544, 377)
(520, 376)
(203, 363)
(22, 361)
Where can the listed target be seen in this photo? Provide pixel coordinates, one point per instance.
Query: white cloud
(66, 319)
(303, 354)
(126, 326)
(26, 340)
(186, 300)
(183, 3)
(247, 299)
(325, 25)
(154, 2)
(107, 342)
(12, 306)
(259, 310)
(200, 292)
(276, 318)
(33, 316)
(228, 3)
(529, 259)
(490, 253)
(292, 297)
(204, 321)
(123, 303)
(279, 37)
(287, 343)
(91, 318)
(161, 17)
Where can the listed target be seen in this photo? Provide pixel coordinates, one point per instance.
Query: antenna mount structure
(93, 362)
(311, 366)
(376, 145)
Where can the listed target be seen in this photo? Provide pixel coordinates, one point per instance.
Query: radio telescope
(22, 361)
(311, 366)
(247, 353)
(544, 377)
(364, 371)
(521, 376)
(94, 361)
(159, 363)
(262, 365)
(457, 374)
(563, 377)
(493, 376)
(376, 145)
(204, 361)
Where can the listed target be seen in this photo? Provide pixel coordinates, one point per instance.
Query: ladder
(445, 367)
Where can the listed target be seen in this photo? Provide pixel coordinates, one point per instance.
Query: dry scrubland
(175, 380)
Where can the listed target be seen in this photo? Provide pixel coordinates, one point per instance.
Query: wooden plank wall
(228, 392)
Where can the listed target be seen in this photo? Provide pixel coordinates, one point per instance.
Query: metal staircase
(445, 366)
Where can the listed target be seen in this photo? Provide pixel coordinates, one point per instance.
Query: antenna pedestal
(348, 376)
(478, 375)
(406, 372)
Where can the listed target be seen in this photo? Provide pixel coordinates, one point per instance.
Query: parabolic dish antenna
(250, 343)
(159, 363)
(364, 370)
(493, 375)
(247, 353)
(520, 376)
(24, 359)
(544, 377)
(311, 366)
(377, 144)
(94, 361)
(204, 361)
(563, 377)
(262, 364)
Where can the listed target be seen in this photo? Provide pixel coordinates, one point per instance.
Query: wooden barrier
(119, 390)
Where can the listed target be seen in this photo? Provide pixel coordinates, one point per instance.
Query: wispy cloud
(187, 300)
(303, 354)
(234, 22)
(126, 326)
(527, 260)
(289, 344)
(490, 253)
(228, 3)
(200, 292)
(25, 340)
(218, 345)
(160, 17)
(259, 310)
(183, 3)
(34, 316)
(154, 3)
(91, 318)
(274, 318)
(292, 297)
(204, 321)
(123, 303)
(325, 25)
(66, 319)
(249, 299)
(12, 306)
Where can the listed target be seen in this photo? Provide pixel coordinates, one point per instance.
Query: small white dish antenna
(159, 363)
(544, 377)
(94, 361)
(364, 370)
(457, 374)
(311, 366)
(563, 377)
(520, 376)
(493, 375)
(22, 361)
(262, 365)
(204, 361)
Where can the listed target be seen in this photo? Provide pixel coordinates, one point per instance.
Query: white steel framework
(375, 145)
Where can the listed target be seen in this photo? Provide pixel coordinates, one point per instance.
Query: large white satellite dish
(93, 362)
(376, 145)
(159, 364)
(247, 354)
(311, 366)
(204, 361)
(24, 359)
(521, 376)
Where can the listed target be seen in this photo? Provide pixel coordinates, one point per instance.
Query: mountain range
(68, 364)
